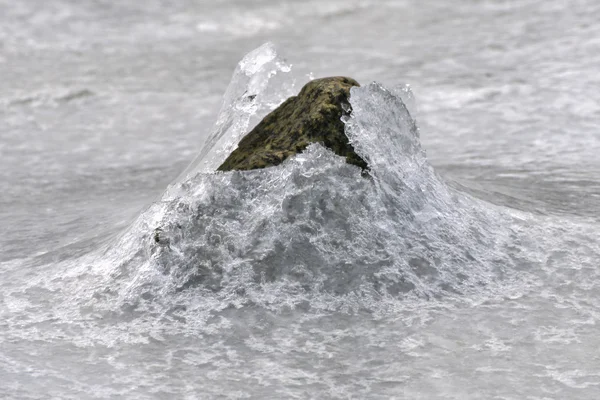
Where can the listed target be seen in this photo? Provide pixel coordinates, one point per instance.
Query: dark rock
(314, 115)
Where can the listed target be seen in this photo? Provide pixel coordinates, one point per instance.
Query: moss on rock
(314, 115)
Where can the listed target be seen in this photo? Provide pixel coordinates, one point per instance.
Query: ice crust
(250, 94)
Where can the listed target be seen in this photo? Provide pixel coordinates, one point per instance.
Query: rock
(314, 115)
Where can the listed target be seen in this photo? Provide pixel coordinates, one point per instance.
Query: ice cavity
(314, 225)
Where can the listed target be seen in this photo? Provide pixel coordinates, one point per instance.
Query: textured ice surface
(313, 226)
(308, 280)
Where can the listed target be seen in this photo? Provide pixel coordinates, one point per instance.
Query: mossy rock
(313, 116)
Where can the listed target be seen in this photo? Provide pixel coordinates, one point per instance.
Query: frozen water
(468, 272)
(247, 90)
(314, 225)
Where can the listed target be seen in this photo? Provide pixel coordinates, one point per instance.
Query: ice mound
(312, 226)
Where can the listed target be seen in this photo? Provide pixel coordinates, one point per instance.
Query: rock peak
(313, 116)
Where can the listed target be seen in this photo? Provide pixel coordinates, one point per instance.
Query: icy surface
(311, 280)
(403, 284)
(246, 97)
